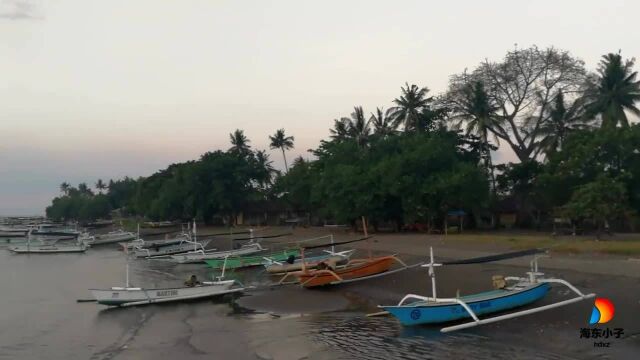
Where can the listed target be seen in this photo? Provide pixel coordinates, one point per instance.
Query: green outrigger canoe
(237, 262)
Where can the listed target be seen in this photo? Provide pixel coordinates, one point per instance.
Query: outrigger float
(417, 309)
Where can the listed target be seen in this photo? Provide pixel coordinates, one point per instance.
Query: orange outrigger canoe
(356, 268)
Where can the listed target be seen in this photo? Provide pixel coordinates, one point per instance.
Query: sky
(103, 89)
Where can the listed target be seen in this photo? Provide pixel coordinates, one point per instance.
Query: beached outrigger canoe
(311, 262)
(237, 262)
(201, 256)
(114, 237)
(326, 273)
(417, 309)
(132, 296)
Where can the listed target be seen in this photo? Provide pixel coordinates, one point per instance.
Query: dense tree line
(578, 155)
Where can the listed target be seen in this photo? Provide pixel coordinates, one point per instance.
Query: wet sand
(40, 318)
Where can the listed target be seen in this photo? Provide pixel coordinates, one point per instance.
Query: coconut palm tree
(64, 188)
(280, 141)
(265, 167)
(358, 127)
(474, 107)
(239, 142)
(100, 185)
(84, 189)
(409, 105)
(382, 122)
(340, 130)
(615, 91)
(355, 127)
(561, 122)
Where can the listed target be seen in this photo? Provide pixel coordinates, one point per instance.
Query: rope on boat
(337, 243)
(263, 236)
(491, 258)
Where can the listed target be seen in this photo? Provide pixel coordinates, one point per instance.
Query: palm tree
(478, 111)
(299, 161)
(615, 91)
(382, 122)
(560, 123)
(100, 185)
(265, 167)
(64, 188)
(280, 141)
(84, 189)
(355, 127)
(358, 126)
(239, 142)
(340, 130)
(409, 105)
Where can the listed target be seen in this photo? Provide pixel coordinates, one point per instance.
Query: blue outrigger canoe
(416, 309)
(425, 312)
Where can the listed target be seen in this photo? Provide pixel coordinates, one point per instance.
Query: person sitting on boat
(192, 281)
(291, 259)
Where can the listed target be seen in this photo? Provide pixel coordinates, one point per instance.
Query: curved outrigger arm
(477, 321)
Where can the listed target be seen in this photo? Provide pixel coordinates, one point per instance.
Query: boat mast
(432, 274)
(333, 247)
(195, 241)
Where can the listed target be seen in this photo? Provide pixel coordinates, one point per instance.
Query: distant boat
(200, 256)
(54, 230)
(159, 224)
(99, 223)
(147, 244)
(49, 248)
(158, 250)
(114, 237)
(12, 232)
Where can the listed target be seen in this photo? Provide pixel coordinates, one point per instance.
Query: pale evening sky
(103, 89)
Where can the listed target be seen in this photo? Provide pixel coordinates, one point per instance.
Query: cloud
(19, 10)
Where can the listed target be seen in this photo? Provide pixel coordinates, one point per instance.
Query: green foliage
(415, 177)
(600, 200)
(78, 206)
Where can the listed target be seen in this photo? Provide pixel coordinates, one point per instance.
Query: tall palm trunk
(286, 167)
(488, 161)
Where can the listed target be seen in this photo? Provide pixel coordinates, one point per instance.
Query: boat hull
(48, 249)
(138, 296)
(167, 249)
(248, 261)
(310, 263)
(195, 258)
(433, 313)
(357, 269)
(114, 238)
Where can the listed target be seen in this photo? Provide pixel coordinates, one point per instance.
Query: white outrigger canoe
(200, 256)
(131, 296)
(114, 237)
(49, 248)
(184, 246)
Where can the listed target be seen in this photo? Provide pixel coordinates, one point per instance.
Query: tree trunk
(286, 167)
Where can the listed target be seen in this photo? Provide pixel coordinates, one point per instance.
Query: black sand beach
(41, 318)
